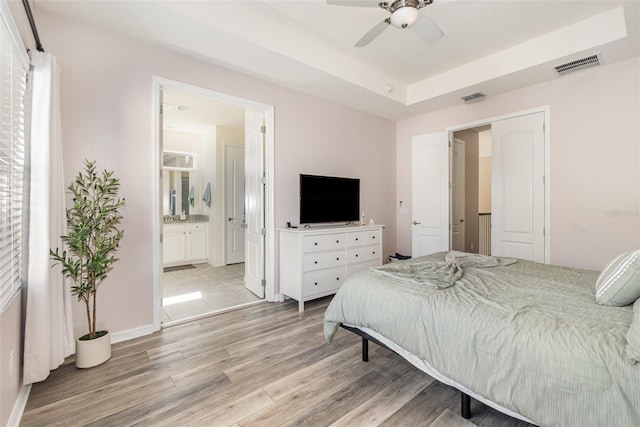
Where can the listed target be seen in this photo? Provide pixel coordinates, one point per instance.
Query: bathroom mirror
(181, 192)
(178, 160)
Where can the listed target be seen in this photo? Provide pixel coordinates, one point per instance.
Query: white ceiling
(200, 115)
(491, 46)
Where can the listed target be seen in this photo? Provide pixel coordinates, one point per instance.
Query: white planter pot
(94, 352)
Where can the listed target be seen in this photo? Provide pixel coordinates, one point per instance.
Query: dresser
(314, 262)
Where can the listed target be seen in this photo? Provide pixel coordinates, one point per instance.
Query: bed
(527, 339)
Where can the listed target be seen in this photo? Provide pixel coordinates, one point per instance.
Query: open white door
(517, 193)
(430, 193)
(458, 195)
(254, 272)
(234, 202)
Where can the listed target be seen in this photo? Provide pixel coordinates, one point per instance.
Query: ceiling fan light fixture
(404, 17)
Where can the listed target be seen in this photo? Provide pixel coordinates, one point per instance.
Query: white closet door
(458, 195)
(234, 193)
(430, 193)
(518, 187)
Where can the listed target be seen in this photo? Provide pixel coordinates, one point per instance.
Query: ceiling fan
(404, 14)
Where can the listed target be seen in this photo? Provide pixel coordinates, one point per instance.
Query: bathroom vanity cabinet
(184, 243)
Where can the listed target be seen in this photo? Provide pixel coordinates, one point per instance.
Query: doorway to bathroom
(210, 150)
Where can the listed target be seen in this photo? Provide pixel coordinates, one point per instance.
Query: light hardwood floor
(265, 365)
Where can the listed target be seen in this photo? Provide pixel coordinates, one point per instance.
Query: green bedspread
(527, 336)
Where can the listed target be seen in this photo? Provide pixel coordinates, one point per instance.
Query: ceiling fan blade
(427, 30)
(356, 3)
(373, 33)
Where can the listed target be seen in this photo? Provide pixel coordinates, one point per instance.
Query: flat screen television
(326, 199)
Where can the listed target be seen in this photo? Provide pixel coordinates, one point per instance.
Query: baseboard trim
(277, 298)
(18, 407)
(132, 333)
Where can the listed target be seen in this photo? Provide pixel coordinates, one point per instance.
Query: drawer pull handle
(315, 244)
(316, 283)
(373, 237)
(315, 262)
(337, 278)
(356, 239)
(337, 241)
(356, 255)
(337, 259)
(374, 252)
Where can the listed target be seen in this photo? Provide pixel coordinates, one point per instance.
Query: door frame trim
(157, 84)
(546, 109)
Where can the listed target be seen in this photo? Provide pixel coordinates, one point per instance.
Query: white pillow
(619, 282)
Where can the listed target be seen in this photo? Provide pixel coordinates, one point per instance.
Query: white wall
(484, 172)
(106, 87)
(10, 341)
(209, 162)
(183, 141)
(594, 157)
(484, 184)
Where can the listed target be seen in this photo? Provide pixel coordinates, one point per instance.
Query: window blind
(13, 74)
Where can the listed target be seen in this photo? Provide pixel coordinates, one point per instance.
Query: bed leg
(465, 406)
(365, 349)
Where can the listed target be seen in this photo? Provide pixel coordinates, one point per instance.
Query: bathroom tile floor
(201, 290)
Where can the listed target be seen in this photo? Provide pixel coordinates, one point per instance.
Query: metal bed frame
(465, 399)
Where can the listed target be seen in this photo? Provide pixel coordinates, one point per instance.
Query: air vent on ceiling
(578, 64)
(474, 97)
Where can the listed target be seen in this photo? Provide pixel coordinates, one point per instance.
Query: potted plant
(90, 252)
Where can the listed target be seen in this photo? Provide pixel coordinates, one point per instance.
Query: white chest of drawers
(315, 262)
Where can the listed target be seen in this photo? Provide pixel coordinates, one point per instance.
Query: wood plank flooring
(265, 365)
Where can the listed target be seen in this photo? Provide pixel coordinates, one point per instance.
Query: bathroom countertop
(190, 218)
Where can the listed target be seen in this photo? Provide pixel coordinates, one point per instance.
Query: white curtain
(49, 326)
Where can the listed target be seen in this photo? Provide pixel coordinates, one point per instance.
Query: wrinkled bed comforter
(526, 336)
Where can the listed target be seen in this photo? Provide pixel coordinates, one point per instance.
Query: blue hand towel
(206, 197)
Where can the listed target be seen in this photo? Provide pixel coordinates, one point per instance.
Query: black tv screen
(329, 199)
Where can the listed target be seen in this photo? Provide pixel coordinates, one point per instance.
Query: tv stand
(314, 262)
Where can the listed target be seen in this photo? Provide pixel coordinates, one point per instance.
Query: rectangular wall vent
(474, 97)
(577, 65)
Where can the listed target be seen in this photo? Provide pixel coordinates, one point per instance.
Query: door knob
(462, 220)
(416, 223)
(230, 219)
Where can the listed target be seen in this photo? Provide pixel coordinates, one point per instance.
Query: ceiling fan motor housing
(404, 12)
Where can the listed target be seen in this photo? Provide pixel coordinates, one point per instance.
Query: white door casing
(254, 203)
(430, 193)
(234, 203)
(269, 255)
(458, 195)
(518, 193)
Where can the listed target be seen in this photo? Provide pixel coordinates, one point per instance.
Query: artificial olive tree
(93, 237)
